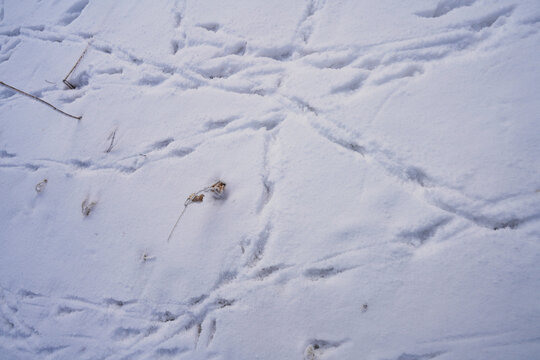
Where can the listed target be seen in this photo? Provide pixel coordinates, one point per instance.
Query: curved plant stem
(40, 100)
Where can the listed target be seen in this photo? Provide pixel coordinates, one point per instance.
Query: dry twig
(65, 80)
(87, 206)
(40, 100)
(112, 136)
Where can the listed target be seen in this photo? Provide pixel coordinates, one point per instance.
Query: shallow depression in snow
(276, 180)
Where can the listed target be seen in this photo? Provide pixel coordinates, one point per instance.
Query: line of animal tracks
(381, 199)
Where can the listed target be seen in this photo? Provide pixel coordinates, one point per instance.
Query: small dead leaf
(218, 189)
(196, 198)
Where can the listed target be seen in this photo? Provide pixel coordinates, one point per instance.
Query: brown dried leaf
(218, 188)
(197, 198)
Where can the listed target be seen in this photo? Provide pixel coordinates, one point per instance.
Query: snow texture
(382, 164)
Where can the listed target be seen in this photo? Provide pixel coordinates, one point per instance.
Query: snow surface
(382, 161)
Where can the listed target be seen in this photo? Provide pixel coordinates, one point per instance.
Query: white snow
(382, 164)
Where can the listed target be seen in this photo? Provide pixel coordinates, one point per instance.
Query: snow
(382, 169)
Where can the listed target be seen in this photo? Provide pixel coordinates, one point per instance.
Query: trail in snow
(373, 209)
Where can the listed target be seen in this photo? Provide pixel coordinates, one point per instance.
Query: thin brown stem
(40, 100)
(176, 224)
(65, 80)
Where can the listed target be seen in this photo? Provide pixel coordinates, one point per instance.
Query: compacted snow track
(381, 161)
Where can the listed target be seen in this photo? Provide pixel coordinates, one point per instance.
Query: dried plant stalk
(65, 80)
(218, 189)
(86, 207)
(112, 136)
(176, 223)
(41, 186)
(40, 100)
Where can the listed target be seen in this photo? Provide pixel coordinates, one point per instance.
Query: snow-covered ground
(382, 162)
